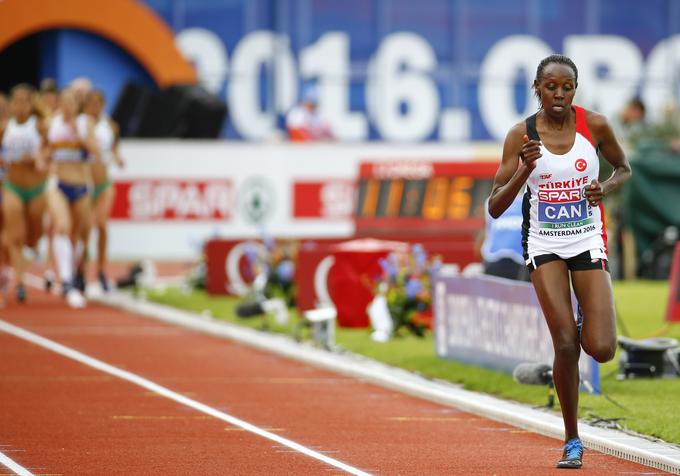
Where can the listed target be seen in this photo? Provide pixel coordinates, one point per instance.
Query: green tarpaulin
(652, 196)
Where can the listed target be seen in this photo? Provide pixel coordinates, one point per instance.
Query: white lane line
(160, 390)
(12, 466)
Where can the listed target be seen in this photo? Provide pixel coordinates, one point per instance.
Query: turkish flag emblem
(581, 165)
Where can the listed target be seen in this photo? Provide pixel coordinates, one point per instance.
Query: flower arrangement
(405, 281)
(272, 269)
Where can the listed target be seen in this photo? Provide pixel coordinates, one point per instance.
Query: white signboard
(173, 195)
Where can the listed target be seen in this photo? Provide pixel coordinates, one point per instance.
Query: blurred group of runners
(56, 146)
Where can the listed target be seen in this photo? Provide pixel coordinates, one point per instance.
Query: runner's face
(50, 100)
(98, 104)
(94, 105)
(556, 88)
(67, 104)
(20, 105)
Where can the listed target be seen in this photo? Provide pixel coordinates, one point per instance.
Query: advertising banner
(170, 199)
(172, 196)
(417, 71)
(495, 323)
(228, 271)
(397, 70)
(331, 199)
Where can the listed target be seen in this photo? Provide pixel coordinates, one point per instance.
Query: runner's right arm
(519, 157)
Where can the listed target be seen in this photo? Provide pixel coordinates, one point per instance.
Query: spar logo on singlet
(562, 204)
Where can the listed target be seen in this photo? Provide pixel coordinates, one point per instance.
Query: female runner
(69, 200)
(106, 134)
(555, 152)
(23, 204)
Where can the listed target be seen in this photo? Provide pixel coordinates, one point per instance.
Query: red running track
(58, 416)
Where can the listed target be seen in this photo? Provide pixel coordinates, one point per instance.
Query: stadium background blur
(440, 80)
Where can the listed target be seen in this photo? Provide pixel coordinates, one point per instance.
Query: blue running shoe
(573, 455)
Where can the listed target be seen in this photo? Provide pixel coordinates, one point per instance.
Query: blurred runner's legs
(49, 98)
(5, 270)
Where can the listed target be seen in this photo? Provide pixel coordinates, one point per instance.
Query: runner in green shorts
(24, 156)
(106, 134)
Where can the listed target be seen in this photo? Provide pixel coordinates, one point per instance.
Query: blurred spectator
(499, 243)
(671, 127)
(304, 123)
(631, 124)
(633, 128)
(81, 87)
(49, 95)
(4, 109)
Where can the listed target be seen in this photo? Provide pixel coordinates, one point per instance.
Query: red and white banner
(171, 199)
(174, 195)
(227, 270)
(329, 199)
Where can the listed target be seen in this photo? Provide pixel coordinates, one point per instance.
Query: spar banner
(172, 196)
(495, 323)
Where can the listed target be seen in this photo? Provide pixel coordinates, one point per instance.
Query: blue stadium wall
(397, 69)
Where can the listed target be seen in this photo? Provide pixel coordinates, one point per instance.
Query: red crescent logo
(580, 165)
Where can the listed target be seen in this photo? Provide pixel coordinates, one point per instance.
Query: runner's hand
(594, 193)
(530, 152)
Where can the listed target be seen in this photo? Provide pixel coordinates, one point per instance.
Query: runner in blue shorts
(71, 140)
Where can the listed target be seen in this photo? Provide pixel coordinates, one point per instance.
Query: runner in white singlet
(25, 162)
(5, 268)
(554, 153)
(103, 192)
(557, 216)
(71, 142)
(49, 100)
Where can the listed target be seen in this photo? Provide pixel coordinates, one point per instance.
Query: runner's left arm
(613, 153)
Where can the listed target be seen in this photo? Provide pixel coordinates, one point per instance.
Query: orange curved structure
(127, 23)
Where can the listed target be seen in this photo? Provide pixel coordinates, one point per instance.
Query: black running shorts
(581, 262)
